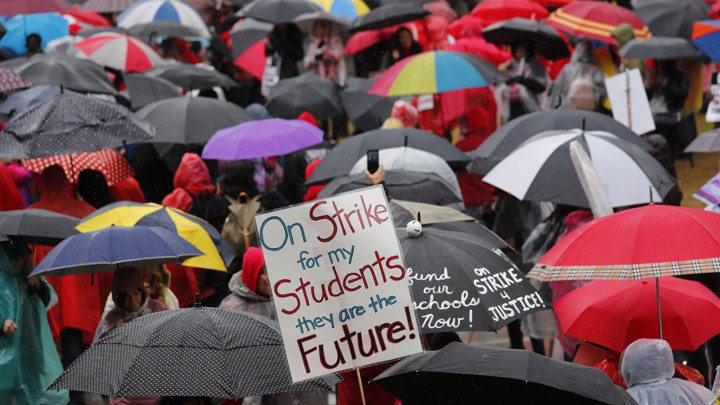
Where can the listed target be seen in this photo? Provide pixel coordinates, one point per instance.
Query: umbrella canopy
(659, 48)
(191, 120)
(246, 33)
(15, 7)
(48, 26)
(596, 20)
(706, 142)
(38, 226)
(388, 15)
(461, 373)
(541, 169)
(705, 36)
(511, 135)
(350, 9)
(482, 49)
(109, 162)
(11, 81)
(71, 123)
(427, 188)
(163, 10)
(107, 6)
(144, 90)
(279, 11)
(109, 249)
(672, 18)
(367, 111)
(436, 72)
(500, 10)
(651, 241)
(341, 159)
(21, 100)
(305, 93)
(64, 46)
(406, 211)
(448, 267)
(441, 8)
(614, 314)
(181, 352)
(255, 139)
(119, 51)
(90, 31)
(547, 40)
(149, 31)
(71, 73)
(217, 253)
(191, 77)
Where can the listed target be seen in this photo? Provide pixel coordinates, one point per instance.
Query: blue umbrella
(49, 26)
(21, 100)
(115, 247)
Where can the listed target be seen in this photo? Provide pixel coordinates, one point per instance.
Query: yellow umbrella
(216, 252)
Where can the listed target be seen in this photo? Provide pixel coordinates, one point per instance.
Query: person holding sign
(667, 88)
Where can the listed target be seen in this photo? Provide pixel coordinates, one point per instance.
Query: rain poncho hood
(56, 194)
(29, 361)
(581, 66)
(623, 33)
(192, 178)
(253, 262)
(647, 367)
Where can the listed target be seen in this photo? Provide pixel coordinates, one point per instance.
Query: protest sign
(630, 105)
(467, 286)
(339, 283)
(710, 192)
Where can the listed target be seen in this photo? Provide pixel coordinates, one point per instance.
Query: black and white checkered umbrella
(205, 352)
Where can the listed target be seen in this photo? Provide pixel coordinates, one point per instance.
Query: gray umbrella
(426, 188)
(305, 93)
(144, 90)
(89, 31)
(388, 15)
(279, 11)
(75, 74)
(71, 123)
(707, 142)
(659, 48)
(38, 226)
(671, 18)
(246, 34)
(194, 352)
(149, 31)
(367, 111)
(191, 77)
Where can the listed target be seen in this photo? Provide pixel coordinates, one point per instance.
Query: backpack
(239, 229)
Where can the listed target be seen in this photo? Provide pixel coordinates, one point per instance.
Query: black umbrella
(671, 18)
(405, 211)
(75, 74)
(547, 40)
(388, 15)
(149, 31)
(36, 226)
(71, 123)
(466, 374)
(511, 135)
(305, 93)
(144, 90)
(340, 160)
(90, 31)
(247, 34)
(191, 120)
(367, 111)
(3, 30)
(427, 188)
(659, 48)
(192, 352)
(461, 283)
(191, 77)
(279, 11)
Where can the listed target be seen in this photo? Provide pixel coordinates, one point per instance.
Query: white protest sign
(339, 283)
(630, 105)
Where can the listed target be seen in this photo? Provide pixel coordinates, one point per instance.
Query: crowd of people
(47, 322)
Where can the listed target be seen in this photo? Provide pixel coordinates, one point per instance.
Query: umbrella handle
(657, 291)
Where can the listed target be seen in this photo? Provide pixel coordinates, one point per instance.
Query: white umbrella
(541, 169)
(163, 10)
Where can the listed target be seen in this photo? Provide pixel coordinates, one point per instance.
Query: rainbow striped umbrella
(350, 9)
(436, 72)
(705, 36)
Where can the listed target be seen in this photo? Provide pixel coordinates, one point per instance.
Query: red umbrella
(441, 8)
(614, 314)
(482, 49)
(88, 17)
(467, 26)
(651, 241)
(253, 59)
(596, 20)
(14, 7)
(108, 162)
(499, 10)
(119, 51)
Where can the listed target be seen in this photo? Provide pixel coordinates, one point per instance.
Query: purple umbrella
(261, 138)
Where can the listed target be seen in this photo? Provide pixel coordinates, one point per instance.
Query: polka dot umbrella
(195, 352)
(108, 162)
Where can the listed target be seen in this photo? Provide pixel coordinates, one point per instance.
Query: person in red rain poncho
(192, 182)
(10, 198)
(77, 314)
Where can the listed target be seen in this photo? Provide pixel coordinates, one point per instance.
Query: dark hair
(94, 189)
(123, 295)
(238, 177)
(525, 43)
(34, 35)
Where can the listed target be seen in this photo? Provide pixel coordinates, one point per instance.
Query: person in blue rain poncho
(29, 362)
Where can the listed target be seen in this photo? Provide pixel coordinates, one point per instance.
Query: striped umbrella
(705, 36)
(350, 9)
(596, 20)
(118, 51)
(163, 10)
(108, 162)
(436, 72)
(11, 81)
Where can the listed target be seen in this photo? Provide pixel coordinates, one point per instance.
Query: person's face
(32, 44)
(405, 39)
(520, 52)
(133, 301)
(319, 29)
(263, 285)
